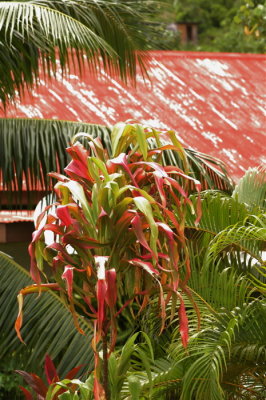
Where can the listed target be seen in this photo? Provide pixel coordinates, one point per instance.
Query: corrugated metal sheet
(10, 216)
(215, 102)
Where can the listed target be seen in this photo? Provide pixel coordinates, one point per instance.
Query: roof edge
(205, 54)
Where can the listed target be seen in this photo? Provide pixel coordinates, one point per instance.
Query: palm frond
(218, 212)
(230, 342)
(30, 32)
(247, 238)
(223, 352)
(77, 32)
(251, 189)
(165, 381)
(210, 171)
(48, 326)
(30, 148)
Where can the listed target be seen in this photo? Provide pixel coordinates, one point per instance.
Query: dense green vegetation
(224, 25)
(224, 298)
(193, 325)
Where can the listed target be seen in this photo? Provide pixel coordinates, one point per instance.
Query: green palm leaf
(251, 189)
(30, 148)
(48, 326)
(228, 347)
(249, 239)
(75, 31)
(218, 212)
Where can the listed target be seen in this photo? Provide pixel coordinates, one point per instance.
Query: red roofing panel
(214, 101)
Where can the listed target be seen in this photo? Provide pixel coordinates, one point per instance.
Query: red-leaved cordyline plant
(118, 230)
(39, 387)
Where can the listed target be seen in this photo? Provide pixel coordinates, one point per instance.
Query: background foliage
(224, 25)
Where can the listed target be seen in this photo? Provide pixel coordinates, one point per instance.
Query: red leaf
(25, 291)
(87, 243)
(27, 394)
(58, 247)
(73, 372)
(98, 390)
(63, 213)
(34, 272)
(176, 185)
(50, 370)
(111, 293)
(68, 276)
(138, 230)
(170, 235)
(159, 180)
(156, 167)
(78, 167)
(168, 231)
(148, 267)
(19, 320)
(122, 160)
(35, 382)
(54, 228)
(183, 323)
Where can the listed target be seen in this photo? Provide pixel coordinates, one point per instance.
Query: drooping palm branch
(251, 188)
(43, 35)
(226, 356)
(48, 325)
(228, 231)
(30, 148)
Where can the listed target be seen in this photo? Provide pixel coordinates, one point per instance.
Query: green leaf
(134, 387)
(142, 140)
(251, 189)
(144, 206)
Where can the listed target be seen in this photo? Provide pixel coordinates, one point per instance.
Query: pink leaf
(148, 267)
(138, 230)
(122, 161)
(183, 323)
(34, 272)
(68, 276)
(159, 180)
(176, 185)
(103, 213)
(78, 166)
(156, 167)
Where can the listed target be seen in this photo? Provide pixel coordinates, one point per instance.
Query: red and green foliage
(39, 386)
(118, 233)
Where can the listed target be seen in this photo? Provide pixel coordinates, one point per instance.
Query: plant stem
(105, 365)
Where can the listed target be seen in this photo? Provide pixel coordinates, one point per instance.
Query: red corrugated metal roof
(215, 102)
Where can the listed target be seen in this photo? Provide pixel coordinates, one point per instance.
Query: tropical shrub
(118, 235)
(31, 148)
(226, 289)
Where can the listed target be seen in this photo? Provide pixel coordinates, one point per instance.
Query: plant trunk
(105, 366)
